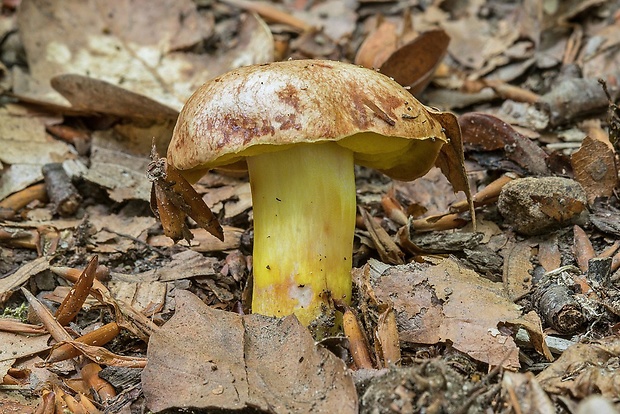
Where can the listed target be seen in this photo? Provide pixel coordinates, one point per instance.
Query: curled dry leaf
(484, 132)
(175, 198)
(594, 166)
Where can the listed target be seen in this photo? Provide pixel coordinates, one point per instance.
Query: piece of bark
(599, 270)
(60, 190)
(573, 98)
(446, 242)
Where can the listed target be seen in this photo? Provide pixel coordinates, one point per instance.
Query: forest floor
(517, 312)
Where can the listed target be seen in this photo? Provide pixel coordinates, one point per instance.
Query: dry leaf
(414, 63)
(26, 147)
(447, 302)
(483, 132)
(517, 267)
(225, 361)
(595, 168)
(584, 369)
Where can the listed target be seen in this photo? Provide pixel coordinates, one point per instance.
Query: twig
(135, 239)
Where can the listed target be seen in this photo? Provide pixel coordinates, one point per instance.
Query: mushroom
(300, 126)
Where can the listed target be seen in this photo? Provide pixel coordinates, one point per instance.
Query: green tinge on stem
(304, 219)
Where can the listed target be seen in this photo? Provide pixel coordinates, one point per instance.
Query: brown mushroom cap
(267, 107)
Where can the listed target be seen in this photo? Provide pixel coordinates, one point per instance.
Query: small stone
(534, 206)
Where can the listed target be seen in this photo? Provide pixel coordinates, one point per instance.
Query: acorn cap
(268, 107)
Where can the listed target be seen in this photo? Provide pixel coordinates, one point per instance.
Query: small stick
(22, 198)
(271, 13)
(487, 195)
(62, 192)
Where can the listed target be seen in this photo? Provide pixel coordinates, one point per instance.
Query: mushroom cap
(269, 107)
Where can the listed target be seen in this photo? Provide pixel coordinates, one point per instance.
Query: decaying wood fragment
(599, 270)
(61, 191)
(557, 306)
(573, 98)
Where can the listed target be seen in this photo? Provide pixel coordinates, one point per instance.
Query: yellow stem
(304, 218)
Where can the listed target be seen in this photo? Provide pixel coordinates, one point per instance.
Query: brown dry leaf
(203, 241)
(595, 168)
(146, 55)
(414, 63)
(480, 49)
(386, 247)
(584, 369)
(451, 159)
(447, 302)
(378, 45)
(433, 191)
(336, 18)
(113, 229)
(225, 361)
(549, 255)
(147, 298)
(174, 195)
(184, 265)
(484, 132)
(529, 397)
